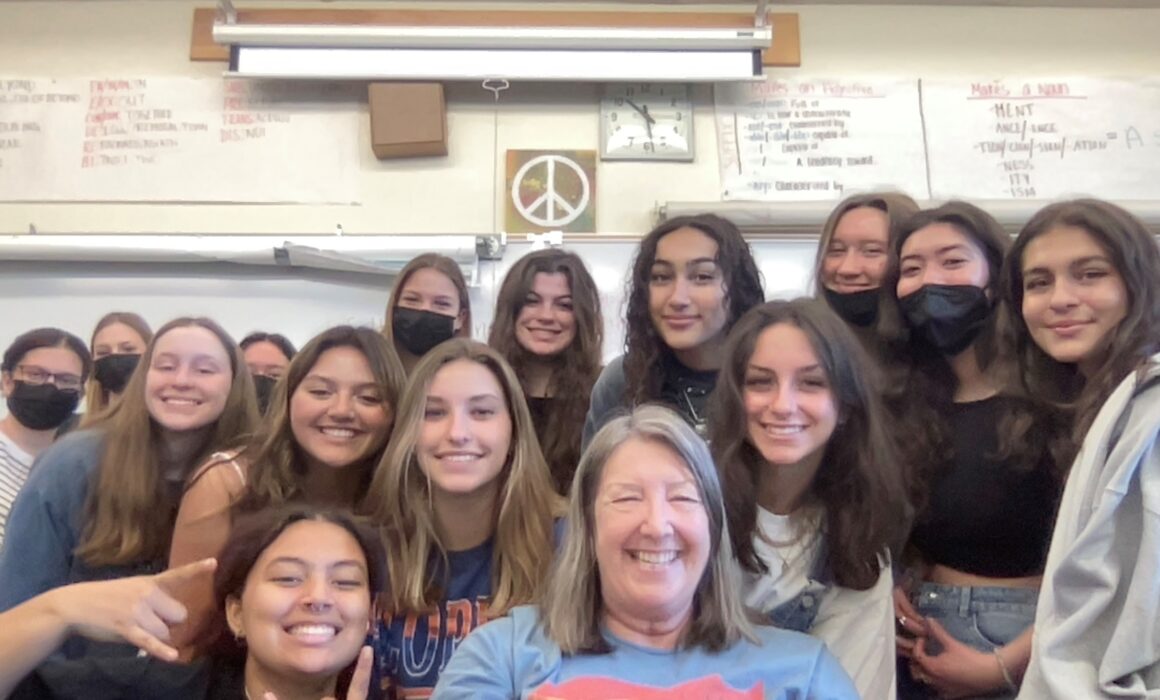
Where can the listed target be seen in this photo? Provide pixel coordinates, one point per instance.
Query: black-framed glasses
(32, 374)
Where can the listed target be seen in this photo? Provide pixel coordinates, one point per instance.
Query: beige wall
(454, 194)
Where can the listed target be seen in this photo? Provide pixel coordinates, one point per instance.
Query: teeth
(338, 432)
(313, 630)
(460, 458)
(182, 402)
(784, 430)
(656, 557)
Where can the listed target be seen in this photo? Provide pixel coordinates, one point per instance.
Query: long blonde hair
(400, 502)
(130, 509)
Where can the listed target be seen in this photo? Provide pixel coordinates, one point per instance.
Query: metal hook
(495, 86)
(226, 12)
(761, 19)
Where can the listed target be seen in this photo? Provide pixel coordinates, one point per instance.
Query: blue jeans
(982, 617)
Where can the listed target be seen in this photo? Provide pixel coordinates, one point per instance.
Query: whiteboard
(300, 303)
(177, 140)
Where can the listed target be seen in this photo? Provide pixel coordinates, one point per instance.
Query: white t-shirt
(857, 626)
(15, 466)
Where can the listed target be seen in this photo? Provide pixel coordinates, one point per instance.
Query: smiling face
(651, 537)
(546, 324)
(467, 430)
(305, 609)
(337, 413)
(1073, 296)
(687, 295)
(789, 405)
(117, 339)
(188, 380)
(428, 289)
(941, 254)
(855, 259)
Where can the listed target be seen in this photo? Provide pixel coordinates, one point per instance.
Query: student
(693, 277)
(293, 603)
(42, 377)
(465, 505)
(989, 485)
(267, 355)
(428, 305)
(643, 600)
(319, 443)
(102, 502)
(814, 494)
(852, 254)
(117, 343)
(549, 328)
(1083, 284)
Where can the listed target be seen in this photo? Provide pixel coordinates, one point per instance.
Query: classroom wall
(456, 194)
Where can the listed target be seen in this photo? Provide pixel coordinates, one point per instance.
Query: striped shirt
(15, 465)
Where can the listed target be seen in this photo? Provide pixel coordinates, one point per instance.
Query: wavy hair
(276, 461)
(574, 370)
(1134, 254)
(644, 349)
(573, 605)
(96, 396)
(400, 499)
(860, 482)
(130, 509)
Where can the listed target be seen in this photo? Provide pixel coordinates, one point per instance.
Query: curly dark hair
(643, 347)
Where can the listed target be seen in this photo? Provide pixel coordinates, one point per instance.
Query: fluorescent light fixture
(481, 64)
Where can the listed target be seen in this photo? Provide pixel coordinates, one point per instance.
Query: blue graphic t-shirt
(411, 649)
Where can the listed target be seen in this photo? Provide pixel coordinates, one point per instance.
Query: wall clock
(646, 121)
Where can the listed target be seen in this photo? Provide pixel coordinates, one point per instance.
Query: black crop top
(985, 517)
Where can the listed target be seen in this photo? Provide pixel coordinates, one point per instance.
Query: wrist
(1008, 679)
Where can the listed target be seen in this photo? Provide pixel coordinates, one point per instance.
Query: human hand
(958, 671)
(139, 610)
(911, 625)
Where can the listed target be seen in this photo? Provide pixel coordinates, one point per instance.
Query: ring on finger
(902, 620)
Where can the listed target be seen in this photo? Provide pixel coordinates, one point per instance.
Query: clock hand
(648, 119)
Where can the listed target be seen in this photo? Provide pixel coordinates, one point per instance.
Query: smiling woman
(643, 600)
(108, 495)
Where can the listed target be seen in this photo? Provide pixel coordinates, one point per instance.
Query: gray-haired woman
(644, 595)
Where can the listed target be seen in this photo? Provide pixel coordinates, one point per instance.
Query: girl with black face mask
(428, 305)
(42, 376)
(983, 475)
(118, 340)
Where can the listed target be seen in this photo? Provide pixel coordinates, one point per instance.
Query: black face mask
(855, 308)
(264, 385)
(949, 317)
(419, 331)
(112, 372)
(42, 406)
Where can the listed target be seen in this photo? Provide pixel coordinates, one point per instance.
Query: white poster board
(819, 139)
(177, 140)
(1035, 138)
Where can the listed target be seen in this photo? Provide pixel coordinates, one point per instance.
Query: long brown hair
(574, 370)
(130, 509)
(1134, 254)
(643, 347)
(451, 270)
(860, 482)
(897, 206)
(275, 460)
(96, 396)
(399, 500)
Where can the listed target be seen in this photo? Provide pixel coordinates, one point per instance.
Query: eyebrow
(942, 251)
(1072, 263)
(694, 261)
(807, 368)
(302, 562)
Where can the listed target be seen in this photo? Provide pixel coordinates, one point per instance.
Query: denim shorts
(982, 617)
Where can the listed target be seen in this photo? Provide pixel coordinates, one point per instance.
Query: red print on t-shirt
(599, 688)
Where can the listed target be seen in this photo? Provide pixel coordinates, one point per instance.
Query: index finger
(185, 573)
(360, 682)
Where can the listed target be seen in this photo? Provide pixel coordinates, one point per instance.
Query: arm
(858, 627)
(958, 671)
(200, 531)
(40, 534)
(138, 610)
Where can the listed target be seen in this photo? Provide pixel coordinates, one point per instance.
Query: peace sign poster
(550, 191)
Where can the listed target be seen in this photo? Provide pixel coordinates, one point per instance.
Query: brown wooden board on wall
(785, 51)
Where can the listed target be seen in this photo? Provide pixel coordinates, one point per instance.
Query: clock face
(646, 121)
